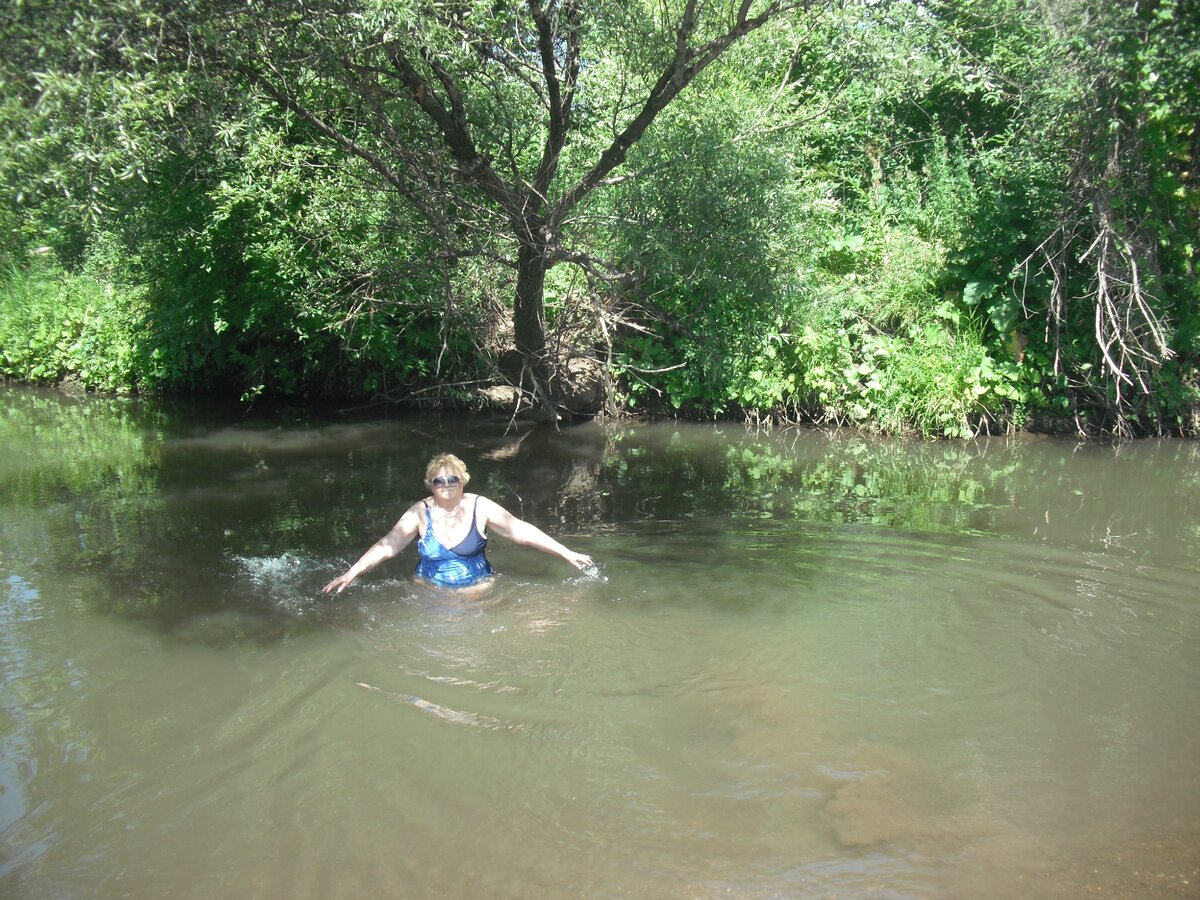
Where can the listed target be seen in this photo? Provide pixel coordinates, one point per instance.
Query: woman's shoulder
(488, 508)
(418, 507)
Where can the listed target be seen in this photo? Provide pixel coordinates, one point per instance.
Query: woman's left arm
(495, 516)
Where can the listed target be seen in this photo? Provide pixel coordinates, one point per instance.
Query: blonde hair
(446, 461)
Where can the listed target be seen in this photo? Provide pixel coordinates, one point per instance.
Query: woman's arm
(382, 550)
(493, 515)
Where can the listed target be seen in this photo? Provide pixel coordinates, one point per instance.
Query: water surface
(816, 664)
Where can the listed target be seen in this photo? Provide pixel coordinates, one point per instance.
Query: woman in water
(452, 526)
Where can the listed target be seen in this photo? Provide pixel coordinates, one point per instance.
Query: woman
(452, 528)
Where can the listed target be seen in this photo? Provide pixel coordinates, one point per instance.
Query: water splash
(593, 572)
(288, 581)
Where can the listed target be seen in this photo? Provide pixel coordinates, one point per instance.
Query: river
(814, 664)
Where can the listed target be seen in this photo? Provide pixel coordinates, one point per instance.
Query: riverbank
(507, 401)
(81, 334)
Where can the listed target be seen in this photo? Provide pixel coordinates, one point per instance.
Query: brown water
(816, 664)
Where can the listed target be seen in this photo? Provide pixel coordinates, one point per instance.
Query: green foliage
(916, 222)
(255, 261)
(701, 224)
(900, 215)
(1109, 282)
(54, 326)
(840, 297)
(253, 249)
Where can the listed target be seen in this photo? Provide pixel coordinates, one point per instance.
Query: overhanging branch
(407, 186)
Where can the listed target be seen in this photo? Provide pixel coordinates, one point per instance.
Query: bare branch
(560, 94)
(454, 130)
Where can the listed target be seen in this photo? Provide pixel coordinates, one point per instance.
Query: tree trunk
(529, 316)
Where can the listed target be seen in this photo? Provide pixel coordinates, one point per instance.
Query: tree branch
(560, 95)
(685, 65)
(406, 185)
(455, 131)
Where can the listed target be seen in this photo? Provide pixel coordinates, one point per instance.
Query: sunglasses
(451, 481)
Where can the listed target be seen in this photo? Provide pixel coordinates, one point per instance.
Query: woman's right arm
(382, 550)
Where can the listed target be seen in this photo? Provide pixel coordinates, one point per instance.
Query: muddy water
(813, 665)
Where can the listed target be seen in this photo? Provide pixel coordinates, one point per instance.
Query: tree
(1119, 258)
(491, 117)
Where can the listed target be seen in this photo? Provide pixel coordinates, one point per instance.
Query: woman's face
(447, 485)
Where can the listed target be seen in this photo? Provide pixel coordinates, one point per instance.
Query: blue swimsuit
(458, 566)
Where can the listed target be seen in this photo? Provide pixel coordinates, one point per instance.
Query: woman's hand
(339, 584)
(578, 560)
(383, 549)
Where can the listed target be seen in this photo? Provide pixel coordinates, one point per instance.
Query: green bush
(54, 325)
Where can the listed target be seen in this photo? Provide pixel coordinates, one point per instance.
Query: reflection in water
(812, 664)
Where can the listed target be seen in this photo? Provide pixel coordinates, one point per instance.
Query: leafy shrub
(54, 325)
